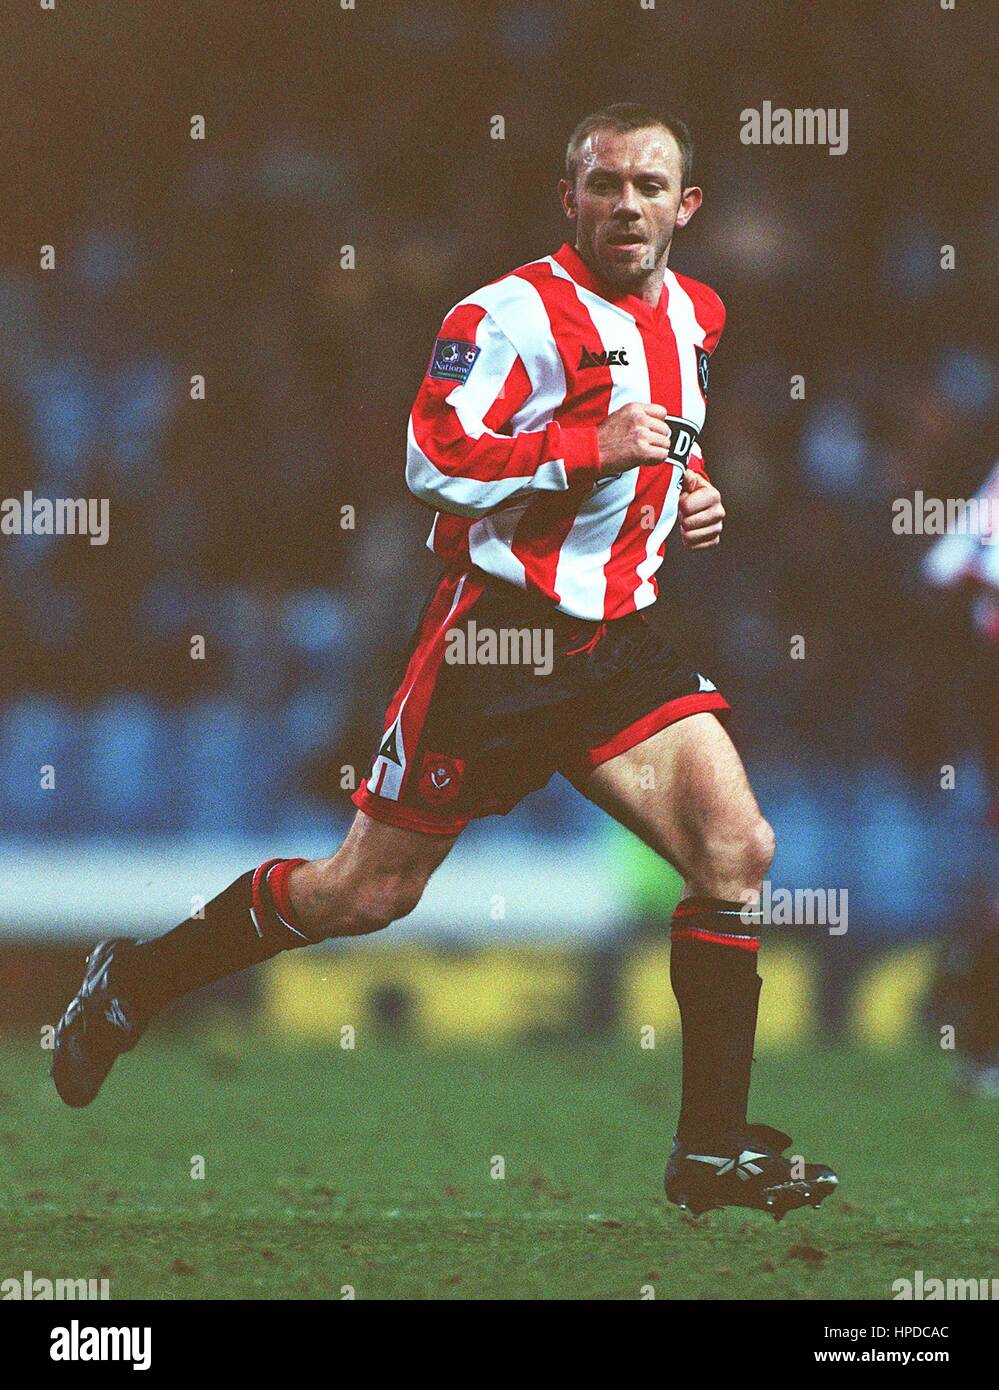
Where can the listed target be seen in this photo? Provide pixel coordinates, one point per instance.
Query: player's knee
(759, 847)
(736, 859)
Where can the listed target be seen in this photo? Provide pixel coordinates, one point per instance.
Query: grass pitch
(327, 1170)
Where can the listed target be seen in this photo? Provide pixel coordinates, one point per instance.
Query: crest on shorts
(440, 778)
(452, 360)
(703, 371)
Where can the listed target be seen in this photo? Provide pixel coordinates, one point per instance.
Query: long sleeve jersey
(503, 433)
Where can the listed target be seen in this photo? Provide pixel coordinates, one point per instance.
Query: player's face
(627, 199)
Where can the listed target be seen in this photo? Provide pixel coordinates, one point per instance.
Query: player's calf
(376, 877)
(337, 901)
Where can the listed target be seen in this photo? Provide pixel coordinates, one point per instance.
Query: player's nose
(627, 204)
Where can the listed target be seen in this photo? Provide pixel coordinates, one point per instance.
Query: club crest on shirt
(703, 370)
(452, 360)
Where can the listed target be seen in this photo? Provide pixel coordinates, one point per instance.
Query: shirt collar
(570, 260)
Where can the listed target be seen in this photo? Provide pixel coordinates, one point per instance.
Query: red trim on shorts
(436, 611)
(404, 817)
(428, 660)
(446, 609)
(649, 724)
(741, 943)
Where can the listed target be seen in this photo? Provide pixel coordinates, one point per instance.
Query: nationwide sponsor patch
(452, 360)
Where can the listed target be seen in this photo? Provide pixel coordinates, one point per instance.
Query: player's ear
(567, 197)
(692, 199)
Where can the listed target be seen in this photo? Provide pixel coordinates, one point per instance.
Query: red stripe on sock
(741, 943)
(256, 889)
(277, 882)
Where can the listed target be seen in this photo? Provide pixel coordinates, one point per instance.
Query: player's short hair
(630, 115)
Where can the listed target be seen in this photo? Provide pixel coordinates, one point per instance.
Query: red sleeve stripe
(461, 443)
(513, 393)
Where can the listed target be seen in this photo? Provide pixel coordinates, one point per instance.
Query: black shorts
(499, 690)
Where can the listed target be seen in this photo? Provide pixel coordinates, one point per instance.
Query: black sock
(249, 922)
(713, 974)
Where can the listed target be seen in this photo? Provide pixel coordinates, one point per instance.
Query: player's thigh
(684, 791)
(378, 873)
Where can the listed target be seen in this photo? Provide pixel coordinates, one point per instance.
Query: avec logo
(617, 357)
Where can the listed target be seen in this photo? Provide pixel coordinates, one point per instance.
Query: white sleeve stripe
(474, 398)
(518, 311)
(469, 496)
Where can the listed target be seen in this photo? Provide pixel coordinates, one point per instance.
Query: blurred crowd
(370, 129)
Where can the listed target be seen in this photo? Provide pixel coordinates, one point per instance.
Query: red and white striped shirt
(503, 439)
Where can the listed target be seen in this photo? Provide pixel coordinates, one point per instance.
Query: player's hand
(636, 434)
(701, 512)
